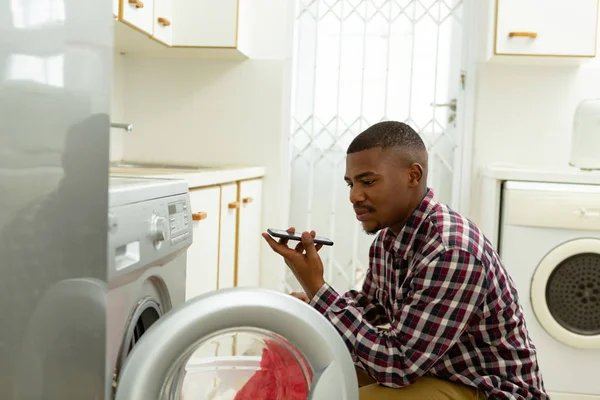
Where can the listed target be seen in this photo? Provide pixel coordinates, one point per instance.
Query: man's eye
(348, 184)
(368, 183)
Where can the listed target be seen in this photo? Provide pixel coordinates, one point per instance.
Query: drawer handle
(247, 200)
(164, 21)
(531, 35)
(136, 3)
(199, 216)
(234, 204)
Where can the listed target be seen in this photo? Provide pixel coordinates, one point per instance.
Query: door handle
(451, 105)
(136, 3)
(199, 216)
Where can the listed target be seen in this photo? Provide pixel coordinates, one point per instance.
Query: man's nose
(357, 195)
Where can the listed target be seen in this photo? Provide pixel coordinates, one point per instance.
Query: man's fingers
(291, 230)
(309, 244)
(301, 296)
(279, 248)
(318, 246)
(299, 248)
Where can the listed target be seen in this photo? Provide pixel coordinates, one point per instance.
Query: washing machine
(149, 231)
(161, 347)
(550, 245)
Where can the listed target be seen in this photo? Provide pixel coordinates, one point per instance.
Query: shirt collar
(401, 243)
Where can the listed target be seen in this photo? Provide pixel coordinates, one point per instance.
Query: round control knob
(159, 229)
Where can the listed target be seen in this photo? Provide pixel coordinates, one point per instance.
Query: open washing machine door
(179, 356)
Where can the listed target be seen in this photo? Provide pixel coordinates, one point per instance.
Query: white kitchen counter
(203, 176)
(564, 175)
(493, 176)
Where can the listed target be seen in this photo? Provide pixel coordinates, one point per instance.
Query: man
(456, 328)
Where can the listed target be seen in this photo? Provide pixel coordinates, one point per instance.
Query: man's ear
(415, 174)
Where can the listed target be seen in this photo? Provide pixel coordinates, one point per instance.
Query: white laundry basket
(217, 378)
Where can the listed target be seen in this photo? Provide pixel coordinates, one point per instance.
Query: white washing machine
(148, 234)
(161, 347)
(550, 244)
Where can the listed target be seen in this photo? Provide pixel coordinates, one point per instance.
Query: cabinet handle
(531, 35)
(164, 21)
(247, 200)
(199, 216)
(136, 3)
(234, 204)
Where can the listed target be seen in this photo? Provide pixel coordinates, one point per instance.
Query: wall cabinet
(179, 28)
(162, 29)
(538, 31)
(547, 28)
(139, 14)
(206, 23)
(115, 8)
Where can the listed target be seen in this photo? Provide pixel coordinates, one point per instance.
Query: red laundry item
(281, 377)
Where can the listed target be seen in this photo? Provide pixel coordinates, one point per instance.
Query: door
(355, 65)
(205, 23)
(249, 239)
(203, 254)
(248, 247)
(158, 366)
(139, 13)
(163, 20)
(229, 212)
(227, 251)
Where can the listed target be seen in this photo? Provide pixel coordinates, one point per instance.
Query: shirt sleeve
(364, 300)
(445, 294)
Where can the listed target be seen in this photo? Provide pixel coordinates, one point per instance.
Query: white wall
(117, 107)
(524, 115)
(221, 112)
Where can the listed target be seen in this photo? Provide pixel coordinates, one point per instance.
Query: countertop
(559, 175)
(195, 176)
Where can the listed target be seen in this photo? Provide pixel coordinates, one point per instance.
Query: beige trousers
(426, 388)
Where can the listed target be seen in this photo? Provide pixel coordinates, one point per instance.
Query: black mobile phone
(283, 234)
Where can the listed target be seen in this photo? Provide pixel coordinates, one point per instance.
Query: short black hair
(388, 134)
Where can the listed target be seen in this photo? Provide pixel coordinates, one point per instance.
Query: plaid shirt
(453, 310)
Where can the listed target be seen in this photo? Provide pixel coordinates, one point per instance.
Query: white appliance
(585, 147)
(550, 244)
(161, 347)
(149, 231)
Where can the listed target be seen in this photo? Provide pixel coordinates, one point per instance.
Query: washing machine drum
(565, 293)
(240, 344)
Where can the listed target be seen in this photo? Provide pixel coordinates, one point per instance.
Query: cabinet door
(229, 211)
(229, 215)
(205, 23)
(139, 14)
(163, 20)
(546, 27)
(115, 7)
(203, 255)
(248, 264)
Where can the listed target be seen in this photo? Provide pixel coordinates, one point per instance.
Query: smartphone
(283, 234)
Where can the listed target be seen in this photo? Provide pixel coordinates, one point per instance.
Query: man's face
(381, 188)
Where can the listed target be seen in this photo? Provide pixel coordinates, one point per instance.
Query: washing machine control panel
(179, 224)
(146, 233)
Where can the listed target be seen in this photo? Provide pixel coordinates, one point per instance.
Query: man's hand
(301, 296)
(303, 261)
